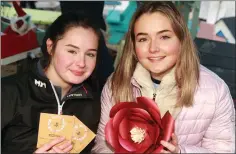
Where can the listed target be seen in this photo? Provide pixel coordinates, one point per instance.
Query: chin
(162, 71)
(155, 70)
(76, 81)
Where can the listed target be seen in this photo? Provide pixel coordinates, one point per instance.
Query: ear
(49, 44)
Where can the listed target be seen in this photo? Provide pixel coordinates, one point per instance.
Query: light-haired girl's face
(75, 55)
(156, 45)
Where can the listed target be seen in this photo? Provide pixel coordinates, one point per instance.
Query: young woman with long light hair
(160, 61)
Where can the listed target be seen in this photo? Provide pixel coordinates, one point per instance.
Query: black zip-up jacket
(25, 96)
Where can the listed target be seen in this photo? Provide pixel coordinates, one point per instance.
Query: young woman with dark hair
(56, 84)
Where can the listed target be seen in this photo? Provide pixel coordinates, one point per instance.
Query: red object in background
(12, 44)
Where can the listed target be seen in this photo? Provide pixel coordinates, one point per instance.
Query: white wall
(212, 11)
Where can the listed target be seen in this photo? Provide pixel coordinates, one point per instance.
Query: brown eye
(91, 55)
(142, 40)
(165, 37)
(72, 51)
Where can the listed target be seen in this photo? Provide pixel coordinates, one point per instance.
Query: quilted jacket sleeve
(100, 143)
(220, 136)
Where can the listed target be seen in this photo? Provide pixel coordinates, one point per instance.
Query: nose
(80, 61)
(154, 47)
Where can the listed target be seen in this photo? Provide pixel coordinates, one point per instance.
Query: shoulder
(107, 86)
(13, 82)
(106, 96)
(211, 86)
(13, 92)
(20, 79)
(209, 79)
(93, 93)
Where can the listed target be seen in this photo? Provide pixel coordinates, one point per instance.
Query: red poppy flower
(137, 127)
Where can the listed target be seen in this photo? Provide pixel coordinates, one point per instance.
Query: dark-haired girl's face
(74, 58)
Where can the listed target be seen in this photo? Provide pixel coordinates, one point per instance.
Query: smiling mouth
(156, 58)
(77, 73)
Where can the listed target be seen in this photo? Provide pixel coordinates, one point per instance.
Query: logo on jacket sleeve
(39, 83)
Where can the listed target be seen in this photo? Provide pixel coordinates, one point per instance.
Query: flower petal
(121, 150)
(153, 131)
(111, 136)
(147, 142)
(155, 116)
(157, 134)
(123, 105)
(149, 103)
(124, 129)
(141, 113)
(133, 124)
(151, 108)
(151, 149)
(158, 149)
(168, 124)
(127, 144)
(118, 117)
(133, 117)
(126, 135)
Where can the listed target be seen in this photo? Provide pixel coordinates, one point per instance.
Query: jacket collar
(43, 89)
(166, 92)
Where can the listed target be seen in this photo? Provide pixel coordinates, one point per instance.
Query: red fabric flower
(137, 127)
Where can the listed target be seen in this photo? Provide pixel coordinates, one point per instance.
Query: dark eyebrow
(162, 31)
(141, 34)
(73, 46)
(93, 50)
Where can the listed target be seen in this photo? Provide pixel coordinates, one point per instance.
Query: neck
(52, 75)
(156, 76)
(155, 81)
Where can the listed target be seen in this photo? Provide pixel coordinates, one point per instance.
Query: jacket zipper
(59, 106)
(155, 92)
(59, 110)
(154, 96)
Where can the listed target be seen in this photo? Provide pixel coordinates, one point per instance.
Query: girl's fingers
(164, 151)
(65, 145)
(46, 147)
(68, 149)
(52, 151)
(57, 150)
(174, 139)
(169, 146)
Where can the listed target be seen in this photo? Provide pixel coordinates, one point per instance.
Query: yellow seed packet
(81, 136)
(52, 126)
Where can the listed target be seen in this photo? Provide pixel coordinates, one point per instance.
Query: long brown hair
(187, 65)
